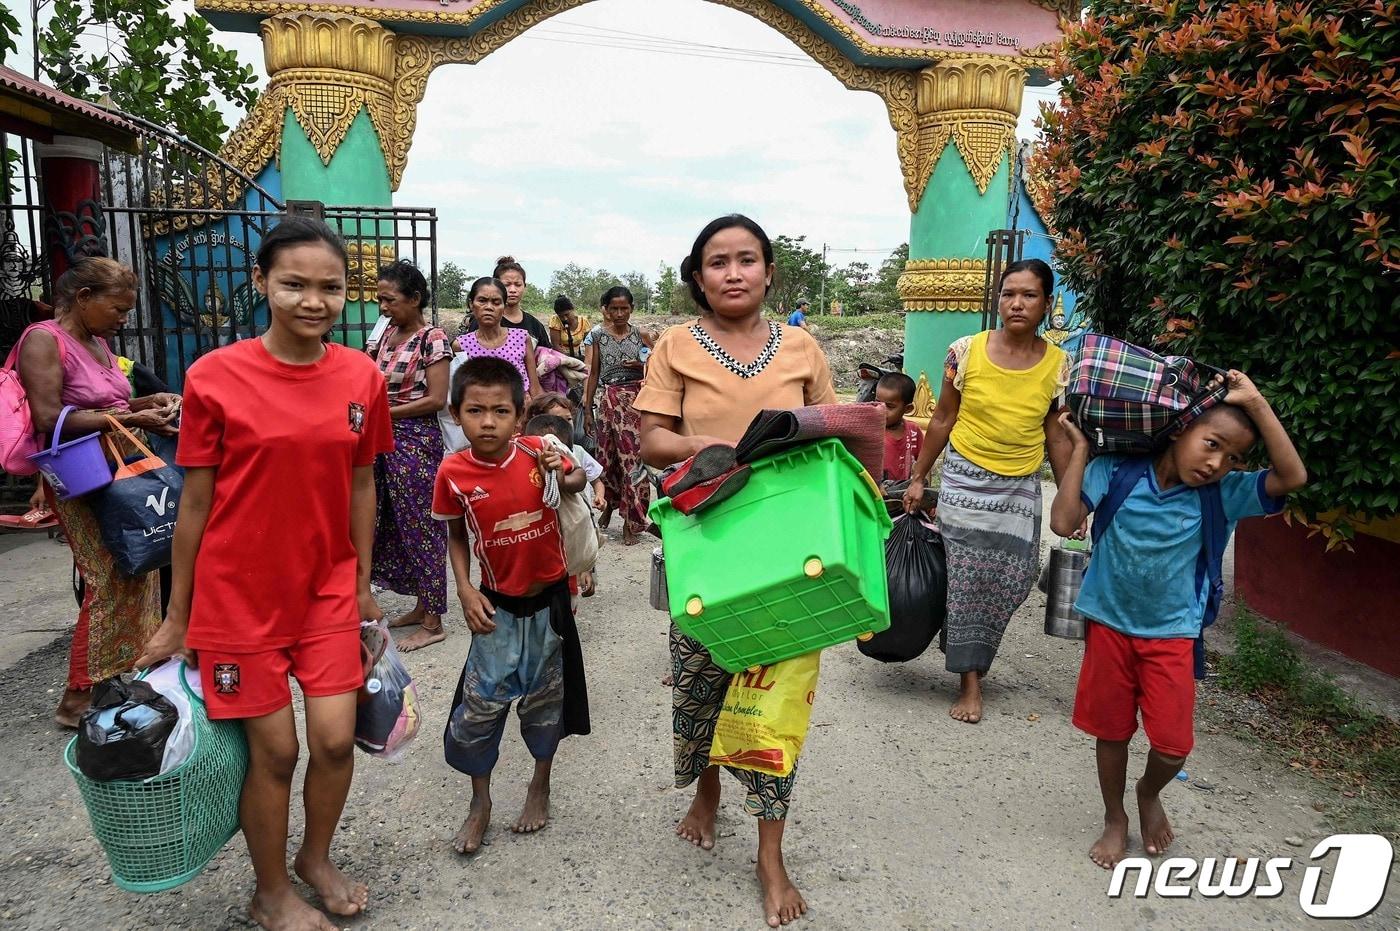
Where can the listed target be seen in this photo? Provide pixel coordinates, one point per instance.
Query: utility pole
(822, 309)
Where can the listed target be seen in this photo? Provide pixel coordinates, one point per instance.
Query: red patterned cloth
(625, 484)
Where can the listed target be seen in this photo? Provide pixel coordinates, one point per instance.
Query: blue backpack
(1214, 533)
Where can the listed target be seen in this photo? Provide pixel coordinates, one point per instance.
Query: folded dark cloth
(860, 427)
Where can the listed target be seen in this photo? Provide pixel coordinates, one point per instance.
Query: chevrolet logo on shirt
(518, 521)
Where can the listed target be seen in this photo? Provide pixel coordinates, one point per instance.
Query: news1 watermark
(1358, 877)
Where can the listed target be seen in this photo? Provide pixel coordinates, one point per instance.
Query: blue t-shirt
(797, 318)
(1142, 578)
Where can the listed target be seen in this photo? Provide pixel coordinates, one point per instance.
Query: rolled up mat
(860, 428)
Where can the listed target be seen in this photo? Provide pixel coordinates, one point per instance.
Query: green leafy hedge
(1237, 165)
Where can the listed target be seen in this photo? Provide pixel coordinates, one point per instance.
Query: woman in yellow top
(996, 416)
(568, 328)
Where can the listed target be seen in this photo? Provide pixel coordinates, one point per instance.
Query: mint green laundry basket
(794, 562)
(161, 832)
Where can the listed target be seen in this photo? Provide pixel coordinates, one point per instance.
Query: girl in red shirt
(272, 556)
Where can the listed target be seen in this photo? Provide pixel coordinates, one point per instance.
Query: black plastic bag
(918, 582)
(123, 734)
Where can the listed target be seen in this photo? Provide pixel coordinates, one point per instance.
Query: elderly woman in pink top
(67, 362)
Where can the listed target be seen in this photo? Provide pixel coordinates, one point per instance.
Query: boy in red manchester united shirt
(524, 642)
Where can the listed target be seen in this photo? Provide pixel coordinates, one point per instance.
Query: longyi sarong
(991, 534)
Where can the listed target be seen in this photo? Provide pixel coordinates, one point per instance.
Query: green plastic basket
(161, 832)
(794, 562)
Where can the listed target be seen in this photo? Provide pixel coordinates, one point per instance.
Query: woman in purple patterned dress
(486, 301)
(410, 548)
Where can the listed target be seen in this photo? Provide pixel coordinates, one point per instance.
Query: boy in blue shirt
(1145, 595)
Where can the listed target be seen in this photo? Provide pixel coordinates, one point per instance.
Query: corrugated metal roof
(34, 102)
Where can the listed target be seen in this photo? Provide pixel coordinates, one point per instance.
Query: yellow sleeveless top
(1001, 418)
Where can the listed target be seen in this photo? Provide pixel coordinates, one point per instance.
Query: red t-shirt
(276, 563)
(515, 536)
(901, 452)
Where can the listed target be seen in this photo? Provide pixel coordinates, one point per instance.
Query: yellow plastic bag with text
(763, 722)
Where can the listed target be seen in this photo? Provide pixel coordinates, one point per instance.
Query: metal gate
(190, 223)
(1003, 248)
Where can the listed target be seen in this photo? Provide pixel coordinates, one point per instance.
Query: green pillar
(355, 176)
(967, 132)
(332, 76)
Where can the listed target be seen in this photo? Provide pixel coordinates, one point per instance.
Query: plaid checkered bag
(1129, 400)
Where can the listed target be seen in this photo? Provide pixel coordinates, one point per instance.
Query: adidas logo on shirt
(478, 494)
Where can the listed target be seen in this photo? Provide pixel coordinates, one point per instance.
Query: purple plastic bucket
(74, 468)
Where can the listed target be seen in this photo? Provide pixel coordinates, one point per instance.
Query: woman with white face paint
(272, 557)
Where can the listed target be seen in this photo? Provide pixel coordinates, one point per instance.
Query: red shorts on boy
(1122, 675)
(250, 685)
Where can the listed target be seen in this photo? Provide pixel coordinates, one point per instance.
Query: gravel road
(903, 818)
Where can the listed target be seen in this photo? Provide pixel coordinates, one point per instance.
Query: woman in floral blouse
(410, 548)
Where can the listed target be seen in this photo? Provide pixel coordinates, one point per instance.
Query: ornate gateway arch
(336, 121)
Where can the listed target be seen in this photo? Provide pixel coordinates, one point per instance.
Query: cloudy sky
(564, 147)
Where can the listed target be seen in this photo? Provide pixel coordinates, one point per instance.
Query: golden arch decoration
(326, 64)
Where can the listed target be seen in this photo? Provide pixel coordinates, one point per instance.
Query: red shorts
(1122, 674)
(250, 685)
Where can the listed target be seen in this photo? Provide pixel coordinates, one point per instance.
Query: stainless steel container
(1064, 576)
(657, 595)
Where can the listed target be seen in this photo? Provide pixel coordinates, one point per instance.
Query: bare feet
(71, 707)
(469, 838)
(535, 814)
(629, 537)
(339, 893)
(286, 911)
(968, 707)
(1112, 846)
(782, 903)
(1157, 833)
(668, 680)
(698, 825)
(432, 631)
(411, 618)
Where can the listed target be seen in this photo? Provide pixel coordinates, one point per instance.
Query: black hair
(480, 283)
(405, 276)
(1237, 414)
(488, 371)
(899, 382)
(507, 263)
(691, 263)
(617, 291)
(552, 424)
(562, 303)
(1038, 268)
(297, 231)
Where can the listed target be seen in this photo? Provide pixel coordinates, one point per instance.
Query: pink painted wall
(983, 26)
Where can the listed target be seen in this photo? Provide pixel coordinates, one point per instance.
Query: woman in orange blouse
(704, 384)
